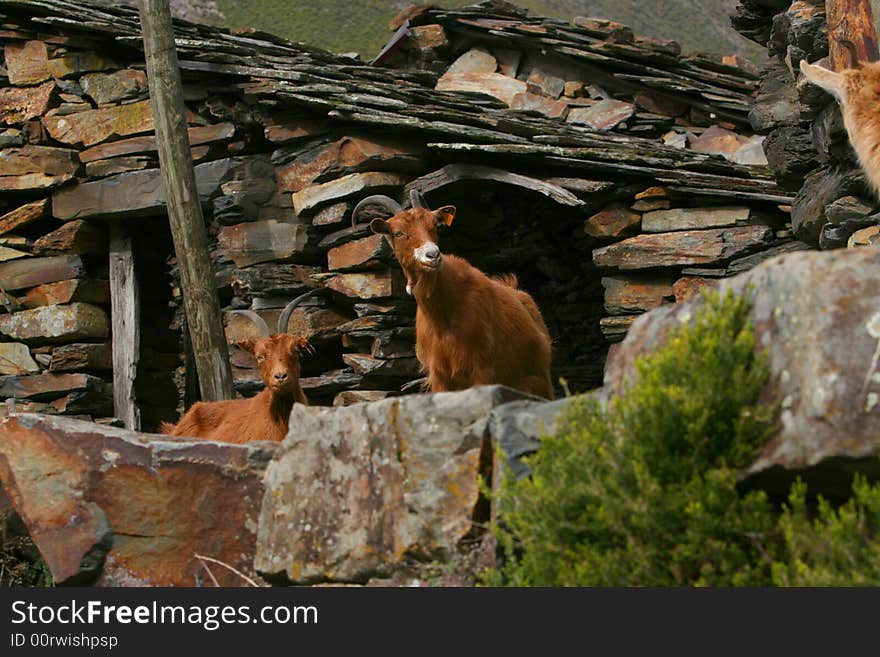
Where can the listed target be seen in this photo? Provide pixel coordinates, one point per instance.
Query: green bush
(831, 547)
(643, 493)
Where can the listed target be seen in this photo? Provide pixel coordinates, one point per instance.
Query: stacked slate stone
(807, 146)
(598, 74)
(286, 139)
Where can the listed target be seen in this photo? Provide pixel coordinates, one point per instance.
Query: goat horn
(256, 319)
(385, 202)
(415, 199)
(288, 310)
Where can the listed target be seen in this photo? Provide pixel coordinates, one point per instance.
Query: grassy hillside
(344, 26)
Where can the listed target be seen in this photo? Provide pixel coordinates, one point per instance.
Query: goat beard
(423, 278)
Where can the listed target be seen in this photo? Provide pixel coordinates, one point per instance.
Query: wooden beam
(184, 211)
(125, 320)
(852, 36)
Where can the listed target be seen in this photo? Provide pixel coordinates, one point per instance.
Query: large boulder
(817, 316)
(117, 508)
(379, 489)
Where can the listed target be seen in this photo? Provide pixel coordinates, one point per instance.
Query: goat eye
(400, 233)
(260, 359)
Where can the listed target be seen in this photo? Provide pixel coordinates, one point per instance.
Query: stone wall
(807, 145)
(599, 221)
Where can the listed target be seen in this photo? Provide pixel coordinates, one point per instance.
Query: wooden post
(852, 36)
(125, 322)
(184, 210)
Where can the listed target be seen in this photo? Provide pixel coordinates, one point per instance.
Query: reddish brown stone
(718, 140)
(92, 127)
(80, 237)
(82, 356)
(74, 62)
(7, 253)
(429, 37)
(692, 247)
(15, 358)
(553, 109)
(614, 329)
(141, 507)
(46, 386)
(494, 84)
(19, 274)
(77, 289)
(197, 135)
(635, 294)
(865, 237)
(653, 192)
(27, 63)
(346, 155)
(355, 183)
(613, 221)
(651, 204)
(316, 323)
(368, 285)
(330, 214)
(688, 286)
(111, 87)
(604, 115)
(475, 60)
(18, 104)
(261, 241)
(38, 159)
(56, 324)
(114, 165)
(32, 181)
(574, 89)
(23, 215)
(358, 253)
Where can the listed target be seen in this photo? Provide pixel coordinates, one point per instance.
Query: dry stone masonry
(807, 146)
(609, 171)
(612, 173)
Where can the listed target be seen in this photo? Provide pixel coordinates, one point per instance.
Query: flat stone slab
(115, 508)
(355, 491)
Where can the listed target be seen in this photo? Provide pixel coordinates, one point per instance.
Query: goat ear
(445, 215)
(246, 345)
(303, 346)
(380, 226)
(832, 82)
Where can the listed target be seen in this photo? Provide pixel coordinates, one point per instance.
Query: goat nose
(433, 253)
(280, 376)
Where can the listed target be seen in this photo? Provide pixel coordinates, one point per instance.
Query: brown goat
(470, 329)
(265, 416)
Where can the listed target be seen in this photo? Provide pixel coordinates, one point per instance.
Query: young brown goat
(265, 416)
(470, 329)
(858, 92)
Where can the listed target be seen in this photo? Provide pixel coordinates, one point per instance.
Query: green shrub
(643, 492)
(828, 546)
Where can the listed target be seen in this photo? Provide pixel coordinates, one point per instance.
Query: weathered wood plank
(184, 211)
(852, 37)
(125, 327)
